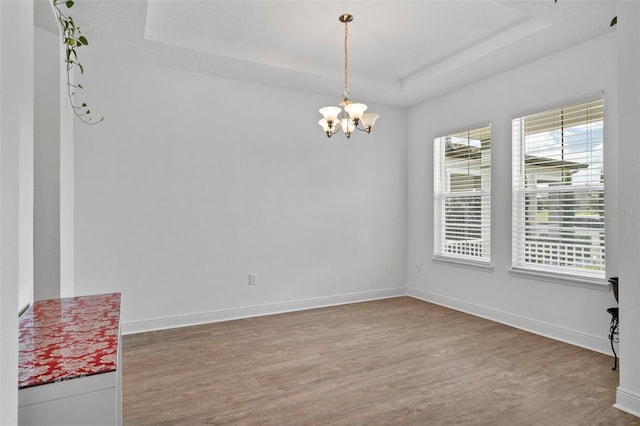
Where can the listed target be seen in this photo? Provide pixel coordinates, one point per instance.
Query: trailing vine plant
(73, 39)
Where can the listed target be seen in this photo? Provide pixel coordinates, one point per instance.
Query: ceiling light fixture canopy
(349, 115)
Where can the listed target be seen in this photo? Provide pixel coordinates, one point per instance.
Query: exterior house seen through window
(462, 190)
(558, 191)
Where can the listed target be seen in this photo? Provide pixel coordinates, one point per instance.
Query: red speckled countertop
(63, 339)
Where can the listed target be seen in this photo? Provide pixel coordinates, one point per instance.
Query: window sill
(469, 264)
(592, 283)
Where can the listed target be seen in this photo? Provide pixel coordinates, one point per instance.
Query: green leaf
(80, 86)
(83, 40)
(81, 68)
(614, 21)
(69, 3)
(84, 104)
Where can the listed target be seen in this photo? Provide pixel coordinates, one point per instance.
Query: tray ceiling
(400, 52)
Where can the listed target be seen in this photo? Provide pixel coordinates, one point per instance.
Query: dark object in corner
(613, 327)
(613, 334)
(614, 286)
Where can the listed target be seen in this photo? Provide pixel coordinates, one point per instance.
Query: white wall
(66, 179)
(16, 189)
(46, 241)
(192, 182)
(569, 313)
(628, 394)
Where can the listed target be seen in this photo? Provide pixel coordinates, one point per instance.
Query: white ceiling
(400, 52)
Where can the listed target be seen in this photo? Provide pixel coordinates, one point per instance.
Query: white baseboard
(627, 401)
(133, 327)
(573, 337)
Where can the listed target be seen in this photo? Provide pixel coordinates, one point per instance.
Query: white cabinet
(71, 362)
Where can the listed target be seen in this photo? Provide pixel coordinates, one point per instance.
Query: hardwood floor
(393, 362)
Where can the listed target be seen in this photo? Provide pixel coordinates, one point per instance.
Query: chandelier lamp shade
(349, 116)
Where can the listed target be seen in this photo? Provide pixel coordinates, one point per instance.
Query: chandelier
(349, 115)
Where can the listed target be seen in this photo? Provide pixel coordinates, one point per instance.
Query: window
(462, 190)
(558, 191)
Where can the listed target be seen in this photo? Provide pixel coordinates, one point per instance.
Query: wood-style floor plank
(396, 361)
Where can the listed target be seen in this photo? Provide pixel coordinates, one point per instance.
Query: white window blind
(462, 191)
(558, 191)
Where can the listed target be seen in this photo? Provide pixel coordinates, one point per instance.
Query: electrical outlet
(252, 279)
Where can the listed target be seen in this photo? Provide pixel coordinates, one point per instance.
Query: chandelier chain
(346, 58)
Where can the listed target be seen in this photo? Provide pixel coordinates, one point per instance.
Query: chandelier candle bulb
(350, 115)
(330, 113)
(355, 111)
(347, 127)
(368, 120)
(325, 126)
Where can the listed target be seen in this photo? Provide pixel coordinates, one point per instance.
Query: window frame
(471, 200)
(522, 190)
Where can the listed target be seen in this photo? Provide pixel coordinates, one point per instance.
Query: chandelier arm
(363, 129)
(335, 130)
